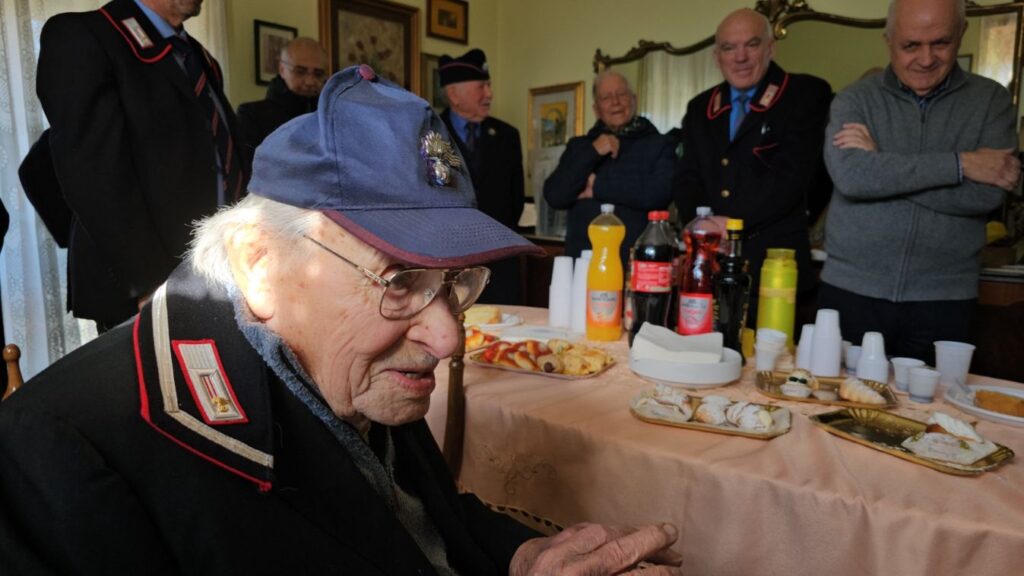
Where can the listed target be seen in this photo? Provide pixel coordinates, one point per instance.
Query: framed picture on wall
(556, 114)
(430, 82)
(270, 39)
(383, 35)
(448, 20)
(965, 61)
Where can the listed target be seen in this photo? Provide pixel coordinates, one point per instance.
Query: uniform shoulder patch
(135, 29)
(209, 384)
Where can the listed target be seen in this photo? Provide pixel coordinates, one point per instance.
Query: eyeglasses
(318, 73)
(411, 290)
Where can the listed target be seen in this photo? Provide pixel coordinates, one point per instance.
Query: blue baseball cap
(376, 160)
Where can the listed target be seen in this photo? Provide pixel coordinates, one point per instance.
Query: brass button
(725, 161)
(725, 193)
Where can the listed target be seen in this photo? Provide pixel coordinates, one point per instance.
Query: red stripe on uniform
(201, 84)
(131, 44)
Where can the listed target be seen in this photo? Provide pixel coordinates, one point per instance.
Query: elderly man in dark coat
(623, 160)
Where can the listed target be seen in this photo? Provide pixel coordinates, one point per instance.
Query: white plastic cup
(826, 344)
(771, 335)
(764, 358)
(873, 344)
(901, 371)
(922, 382)
(873, 365)
(578, 315)
(852, 357)
(803, 349)
(953, 361)
(560, 293)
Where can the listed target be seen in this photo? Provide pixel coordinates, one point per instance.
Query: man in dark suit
(301, 73)
(752, 146)
(492, 150)
(142, 144)
(264, 414)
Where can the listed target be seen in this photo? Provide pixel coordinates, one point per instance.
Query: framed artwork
(556, 114)
(383, 35)
(430, 82)
(448, 20)
(965, 61)
(270, 39)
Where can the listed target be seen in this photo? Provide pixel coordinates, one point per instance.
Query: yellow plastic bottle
(776, 306)
(604, 277)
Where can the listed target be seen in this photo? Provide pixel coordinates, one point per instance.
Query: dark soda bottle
(732, 292)
(697, 281)
(651, 274)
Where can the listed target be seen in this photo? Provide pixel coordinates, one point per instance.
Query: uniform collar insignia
(212, 391)
(135, 29)
(769, 95)
(440, 157)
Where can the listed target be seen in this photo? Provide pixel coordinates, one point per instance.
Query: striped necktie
(231, 169)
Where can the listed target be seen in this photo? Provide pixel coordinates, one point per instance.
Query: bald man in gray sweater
(919, 155)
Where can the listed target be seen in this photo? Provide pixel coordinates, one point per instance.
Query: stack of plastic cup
(873, 365)
(560, 293)
(770, 344)
(826, 344)
(901, 371)
(803, 349)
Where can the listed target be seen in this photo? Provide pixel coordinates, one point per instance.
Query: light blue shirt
(461, 126)
(734, 114)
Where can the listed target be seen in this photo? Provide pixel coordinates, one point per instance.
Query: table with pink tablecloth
(805, 502)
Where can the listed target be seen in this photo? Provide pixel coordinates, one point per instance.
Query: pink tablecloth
(806, 502)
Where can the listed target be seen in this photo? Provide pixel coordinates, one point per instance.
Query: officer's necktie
(740, 105)
(230, 166)
(471, 145)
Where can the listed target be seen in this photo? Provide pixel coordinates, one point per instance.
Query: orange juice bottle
(604, 277)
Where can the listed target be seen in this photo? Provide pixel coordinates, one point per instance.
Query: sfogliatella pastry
(749, 417)
(668, 403)
(710, 413)
(856, 390)
(950, 440)
(999, 402)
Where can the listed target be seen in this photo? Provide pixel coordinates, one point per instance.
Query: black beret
(470, 66)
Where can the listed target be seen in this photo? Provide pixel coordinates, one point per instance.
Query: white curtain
(668, 83)
(33, 283)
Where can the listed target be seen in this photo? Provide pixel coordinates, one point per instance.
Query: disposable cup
(852, 357)
(764, 359)
(901, 370)
(803, 349)
(873, 368)
(922, 383)
(873, 344)
(771, 335)
(953, 361)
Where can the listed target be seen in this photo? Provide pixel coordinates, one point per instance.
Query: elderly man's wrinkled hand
(595, 550)
(606, 144)
(588, 192)
(854, 135)
(990, 166)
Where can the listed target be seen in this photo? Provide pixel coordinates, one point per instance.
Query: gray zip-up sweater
(901, 225)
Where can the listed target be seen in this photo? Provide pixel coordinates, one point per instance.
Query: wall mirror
(837, 48)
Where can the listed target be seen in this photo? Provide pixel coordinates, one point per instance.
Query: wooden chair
(455, 422)
(14, 381)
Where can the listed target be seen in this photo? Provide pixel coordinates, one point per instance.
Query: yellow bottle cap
(734, 224)
(782, 253)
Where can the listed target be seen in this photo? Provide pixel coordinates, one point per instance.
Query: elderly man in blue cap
(263, 414)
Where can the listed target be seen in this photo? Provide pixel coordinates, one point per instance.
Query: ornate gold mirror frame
(783, 13)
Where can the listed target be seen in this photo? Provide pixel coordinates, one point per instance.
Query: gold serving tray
(781, 416)
(768, 383)
(886, 431)
(475, 361)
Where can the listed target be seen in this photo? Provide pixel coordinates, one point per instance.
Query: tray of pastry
(671, 406)
(800, 386)
(952, 447)
(555, 358)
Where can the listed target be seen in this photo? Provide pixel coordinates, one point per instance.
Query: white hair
(961, 16)
(607, 73)
(208, 254)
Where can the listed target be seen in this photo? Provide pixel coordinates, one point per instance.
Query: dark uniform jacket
(101, 474)
(256, 120)
(132, 149)
(497, 175)
(637, 181)
(770, 169)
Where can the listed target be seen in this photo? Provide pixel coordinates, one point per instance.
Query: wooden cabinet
(998, 329)
(536, 271)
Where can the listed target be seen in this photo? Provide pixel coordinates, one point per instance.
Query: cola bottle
(697, 282)
(651, 274)
(732, 292)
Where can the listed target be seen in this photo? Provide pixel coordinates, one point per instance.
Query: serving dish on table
(644, 407)
(887, 432)
(965, 402)
(769, 383)
(507, 321)
(554, 359)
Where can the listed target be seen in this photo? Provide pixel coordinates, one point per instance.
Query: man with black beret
(492, 150)
(263, 413)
